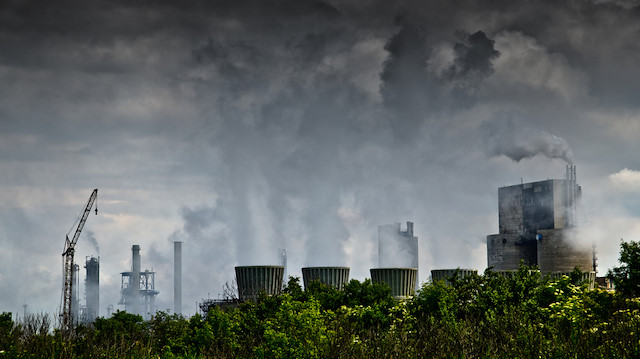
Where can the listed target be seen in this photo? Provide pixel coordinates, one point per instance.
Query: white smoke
(508, 135)
(91, 238)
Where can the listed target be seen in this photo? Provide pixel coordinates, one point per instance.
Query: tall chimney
(135, 279)
(92, 286)
(177, 277)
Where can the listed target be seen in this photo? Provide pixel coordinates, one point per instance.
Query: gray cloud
(246, 127)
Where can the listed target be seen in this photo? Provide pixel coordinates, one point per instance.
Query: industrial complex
(536, 226)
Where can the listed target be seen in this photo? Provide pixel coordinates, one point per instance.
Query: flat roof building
(534, 222)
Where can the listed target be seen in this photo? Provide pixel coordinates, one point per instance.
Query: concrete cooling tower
(335, 277)
(252, 280)
(402, 281)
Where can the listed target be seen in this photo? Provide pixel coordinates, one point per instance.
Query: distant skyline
(242, 127)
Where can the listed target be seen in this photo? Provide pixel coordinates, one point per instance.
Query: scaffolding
(145, 303)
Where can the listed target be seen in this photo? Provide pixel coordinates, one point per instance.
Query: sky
(241, 127)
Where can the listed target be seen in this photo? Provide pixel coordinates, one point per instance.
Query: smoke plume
(510, 136)
(91, 238)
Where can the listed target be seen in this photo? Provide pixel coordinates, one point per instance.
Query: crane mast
(69, 249)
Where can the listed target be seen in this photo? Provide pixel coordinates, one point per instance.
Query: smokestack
(92, 288)
(177, 277)
(135, 279)
(409, 229)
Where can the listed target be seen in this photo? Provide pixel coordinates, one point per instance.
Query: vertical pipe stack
(177, 277)
(92, 288)
(135, 280)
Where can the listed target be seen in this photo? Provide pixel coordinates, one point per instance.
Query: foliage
(627, 277)
(521, 314)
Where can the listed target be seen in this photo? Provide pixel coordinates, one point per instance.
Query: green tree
(627, 277)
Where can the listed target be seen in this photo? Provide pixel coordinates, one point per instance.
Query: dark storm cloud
(242, 127)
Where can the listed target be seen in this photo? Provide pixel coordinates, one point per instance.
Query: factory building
(536, 222)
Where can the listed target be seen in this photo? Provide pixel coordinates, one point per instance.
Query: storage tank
(445, 274)
(252, 280)
(557, 253)
(402, 281)
(335, 277)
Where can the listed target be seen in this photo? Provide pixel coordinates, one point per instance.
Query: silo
(445, 274)
(336, 277)
(92, 285)
(252, 280)
(557, 253)
(402, 281)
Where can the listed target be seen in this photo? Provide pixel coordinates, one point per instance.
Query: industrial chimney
(134, 286)
(92, 285)
(177, 277)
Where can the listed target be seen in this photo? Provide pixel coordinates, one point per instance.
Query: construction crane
(69, 249)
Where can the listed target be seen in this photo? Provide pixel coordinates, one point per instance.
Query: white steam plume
(511, 137)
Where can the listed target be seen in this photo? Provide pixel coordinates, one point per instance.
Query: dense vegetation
(524, 315)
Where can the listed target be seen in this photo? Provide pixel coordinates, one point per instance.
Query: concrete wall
(510, 209)
(557, 252)
(505, 251)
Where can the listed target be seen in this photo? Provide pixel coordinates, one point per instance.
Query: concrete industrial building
(536, 222)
